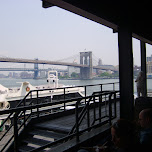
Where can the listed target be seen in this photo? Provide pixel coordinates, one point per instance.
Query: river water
(10, 82)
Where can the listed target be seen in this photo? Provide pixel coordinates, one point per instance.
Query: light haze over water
(10, 82)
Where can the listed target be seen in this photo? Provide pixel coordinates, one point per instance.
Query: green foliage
(108, 75)
(74, 75)
(64, 77)
(105, 74)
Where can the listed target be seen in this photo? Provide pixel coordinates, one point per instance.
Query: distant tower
(86, 59)
(99, 62)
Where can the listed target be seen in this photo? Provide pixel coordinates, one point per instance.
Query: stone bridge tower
(86, 59)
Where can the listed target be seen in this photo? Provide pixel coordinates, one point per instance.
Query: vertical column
(143, 65)
(126, 72)
(86, 59)
(90, 64)
(81, 62)
(81, 58)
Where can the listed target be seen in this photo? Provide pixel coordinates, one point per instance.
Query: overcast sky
(29, 31)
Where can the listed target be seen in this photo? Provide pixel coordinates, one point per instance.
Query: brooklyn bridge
(86, 65)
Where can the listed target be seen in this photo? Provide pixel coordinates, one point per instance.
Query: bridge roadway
(21, 69)
(17, 60)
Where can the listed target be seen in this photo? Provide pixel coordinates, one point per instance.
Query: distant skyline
(30, 31)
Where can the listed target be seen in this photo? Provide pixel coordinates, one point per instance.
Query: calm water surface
(10, 82)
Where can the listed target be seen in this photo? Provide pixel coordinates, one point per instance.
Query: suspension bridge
(86, 65)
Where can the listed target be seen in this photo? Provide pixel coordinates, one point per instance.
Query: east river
(10, 82)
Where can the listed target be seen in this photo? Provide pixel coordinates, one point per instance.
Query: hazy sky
(29, 31)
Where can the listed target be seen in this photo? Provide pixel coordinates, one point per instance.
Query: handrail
(79, 132)
(84, 110)
(79, 118)
(81, 86)
(21, 110)
(45, 104)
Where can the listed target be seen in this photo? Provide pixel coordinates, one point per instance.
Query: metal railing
(22, 114)
(84, 117)
(88, 90)
(92, 113)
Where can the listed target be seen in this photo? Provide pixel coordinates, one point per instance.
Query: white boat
(10, 97)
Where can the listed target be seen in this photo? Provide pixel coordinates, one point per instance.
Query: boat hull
(45, 99)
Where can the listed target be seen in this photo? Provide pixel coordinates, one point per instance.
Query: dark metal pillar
(143, 65)
(126, 72)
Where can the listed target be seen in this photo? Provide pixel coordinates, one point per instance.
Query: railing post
(64, 100)
(94, 108)
(85, 88)
(115, 110)
(24, 112)
(101, 87)
(88, 115)
(37, 103)
(15, 132)
(31, 99)
(105, 104)
(113, 86)
(100, 102)
(77, 121)
(24, 101)
(110, 110)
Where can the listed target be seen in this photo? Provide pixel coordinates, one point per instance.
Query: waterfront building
(100, 62)
(73, 69)
(149, 59)
(149, 66)
(149, 69)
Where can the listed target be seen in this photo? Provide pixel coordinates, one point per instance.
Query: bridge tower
(86, 59)
(36, 70)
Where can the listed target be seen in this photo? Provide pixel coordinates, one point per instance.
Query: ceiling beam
(81, 12)
(90, 16)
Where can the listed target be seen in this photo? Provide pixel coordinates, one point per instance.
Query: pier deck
(43, 130)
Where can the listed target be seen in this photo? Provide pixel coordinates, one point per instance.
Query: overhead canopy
(113, 13)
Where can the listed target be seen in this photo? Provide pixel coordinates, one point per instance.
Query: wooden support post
(126, 72)
(143, 65)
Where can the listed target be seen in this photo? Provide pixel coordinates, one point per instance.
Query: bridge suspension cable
(95, 59)
(73, 57)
